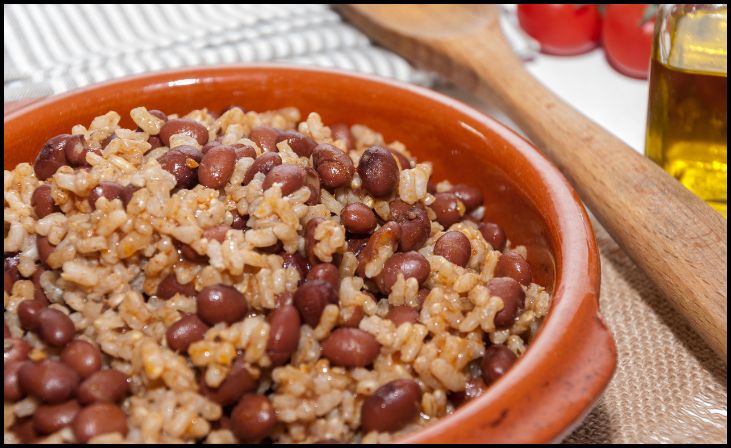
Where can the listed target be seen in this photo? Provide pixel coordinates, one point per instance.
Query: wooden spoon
(678, 240)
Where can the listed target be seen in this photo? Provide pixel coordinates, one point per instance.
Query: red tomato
(562, 29)
(627, 38)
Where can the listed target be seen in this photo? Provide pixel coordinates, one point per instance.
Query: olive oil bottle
(686, 124)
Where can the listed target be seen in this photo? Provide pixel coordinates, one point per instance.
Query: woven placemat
(668, 386)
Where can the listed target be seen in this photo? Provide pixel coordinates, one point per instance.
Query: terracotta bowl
(569, 363)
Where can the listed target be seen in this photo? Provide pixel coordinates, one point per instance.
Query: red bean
(221, 303)
(354, 319)
(184, 332)
(183, 167)
(333, 165)
(55, 327)
(190, 254)
(284, 334)
(184, 126)
(237, 222)
(109, 190)
(512, 296)
(237, 383)
(493, 234)
(216, 167)
(107, 386)
(15, 349)
(431, 187)
(53, 155)
(421, 296)
(242, 150)
(414, 222)
(217, 144)
(28, 311)
(358, 218)
(310, 240)
(327, 272)
(350, 347)
(253, 418)
(42, 202)
(211, 144)
(273, 249)
(155, 141)
(410, 265)
(496, 361)
(49, 418)
(402, 160)
(401, 314)
(388, 234)
(75, 150)
(311, 298)
(455, 247)
(265, 137)
(97, 419)
(447, 208)
(109, 139)
(48, 380)
(38, 292)
(83, 357)
(341, 131)
(471, 197)
(127, 194)
(391, 407)
(290, 178)
(169, 286)
(356, 245)
(263, 164)
(378, 171)
(45, 248)
(513, 265)
(23, 429)
(12, 391)
(191, 152)
(312, 182)
(159, 114)
(301, 144)
(223, 423)
(296, 261)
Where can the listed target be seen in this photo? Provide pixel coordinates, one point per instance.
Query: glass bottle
(686, 122)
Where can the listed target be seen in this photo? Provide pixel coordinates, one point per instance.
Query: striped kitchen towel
(50, 49)
(54, 48)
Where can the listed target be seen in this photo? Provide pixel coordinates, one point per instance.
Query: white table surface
(589, 83)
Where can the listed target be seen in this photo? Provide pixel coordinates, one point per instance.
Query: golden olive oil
(686, 129)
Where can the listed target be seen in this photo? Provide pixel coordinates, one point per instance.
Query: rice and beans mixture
(248, 277)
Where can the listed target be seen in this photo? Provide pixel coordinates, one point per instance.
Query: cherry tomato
(627, 38)
(562, 29)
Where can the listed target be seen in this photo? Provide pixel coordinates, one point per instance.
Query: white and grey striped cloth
(50, 49)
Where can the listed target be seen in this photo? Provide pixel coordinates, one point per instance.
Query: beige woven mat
(668, 386)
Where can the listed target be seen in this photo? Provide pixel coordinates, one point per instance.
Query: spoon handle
(677, 239)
